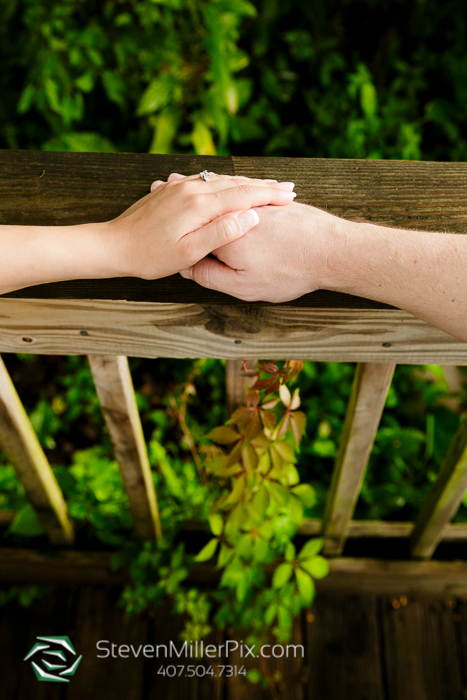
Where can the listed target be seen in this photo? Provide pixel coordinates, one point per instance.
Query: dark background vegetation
(341, 79)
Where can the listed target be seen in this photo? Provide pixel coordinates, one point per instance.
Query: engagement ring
(204, 175)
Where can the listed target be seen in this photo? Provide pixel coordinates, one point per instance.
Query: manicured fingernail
(269, 180)
(248, 219)
(294, 194)
(188, 273)
(287, 185)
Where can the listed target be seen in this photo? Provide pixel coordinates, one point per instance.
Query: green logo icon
(51, 662)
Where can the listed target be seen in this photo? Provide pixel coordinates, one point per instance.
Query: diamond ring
(204, 175)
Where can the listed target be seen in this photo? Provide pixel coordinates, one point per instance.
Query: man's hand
(282, 258)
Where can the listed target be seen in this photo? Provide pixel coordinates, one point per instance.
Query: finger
(217, 182)
(212, 274)
(156, 184)
(244, 197)
(173, 177)
(223, 230)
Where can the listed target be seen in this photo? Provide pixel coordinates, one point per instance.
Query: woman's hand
(183, 220)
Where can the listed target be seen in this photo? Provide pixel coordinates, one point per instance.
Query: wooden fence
(109, 320)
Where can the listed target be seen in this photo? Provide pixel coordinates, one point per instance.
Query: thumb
(212, 274)
(223, 230)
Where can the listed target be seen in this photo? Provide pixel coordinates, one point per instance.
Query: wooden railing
(109, 320)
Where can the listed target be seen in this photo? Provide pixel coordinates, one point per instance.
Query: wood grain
(443, 500)
(237, 383)
(421, 652)
(370, 387)
(350, 575)
(343, 649)
(47, 188)
(99, 618)
(116, 395)
(24, 451)
(84, 327)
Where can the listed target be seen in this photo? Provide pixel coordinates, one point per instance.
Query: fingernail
(188, 273)
(287, 185)
(269, 180)
(248, 219)
(294, 194)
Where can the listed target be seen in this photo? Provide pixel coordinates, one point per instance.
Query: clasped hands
(227, 234)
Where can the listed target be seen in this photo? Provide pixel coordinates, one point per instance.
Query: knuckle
(227, 229)
(204, 276)
(248, 190)
(197, 201)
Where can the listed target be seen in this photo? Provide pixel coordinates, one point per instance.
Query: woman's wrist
(34, 255)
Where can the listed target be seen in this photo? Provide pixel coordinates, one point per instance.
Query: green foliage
(347, 79)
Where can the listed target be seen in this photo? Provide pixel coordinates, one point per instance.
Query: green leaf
(26, 99)
(290, 551)
(202, 140)
(260, 502)
(305, 586)
(282, 574)
(369, 99)
(296, 510)
(318, 566)
(26, 523)
(311, 548)
(114, 87)
(306, 494)
(86, 81)
(156, 96)
(216, 523)
(223, 435)
(208, 550)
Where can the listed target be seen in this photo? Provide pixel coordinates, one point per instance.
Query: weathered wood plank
(45, 188)
(343, 649)
(164, 629)
(74, 327)
(237, 382)
(379, 576)
(114, 388)
(370, 387)
(99, 618)
(421, 656)
(443, 500)
(23, 450)
(362, 528)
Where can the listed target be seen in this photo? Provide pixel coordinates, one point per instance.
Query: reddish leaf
(269, 419)
(263, 383)
(273, 387)
(253, 428)
(241, 415)
(270, 368)
(253, 398)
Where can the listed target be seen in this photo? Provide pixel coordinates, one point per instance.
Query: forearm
(33, 255)
(423, 273)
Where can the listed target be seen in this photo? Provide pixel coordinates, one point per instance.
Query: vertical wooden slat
(23, 450)
(114, 388)
(366, 403)
(237, 380)
(443, 500)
